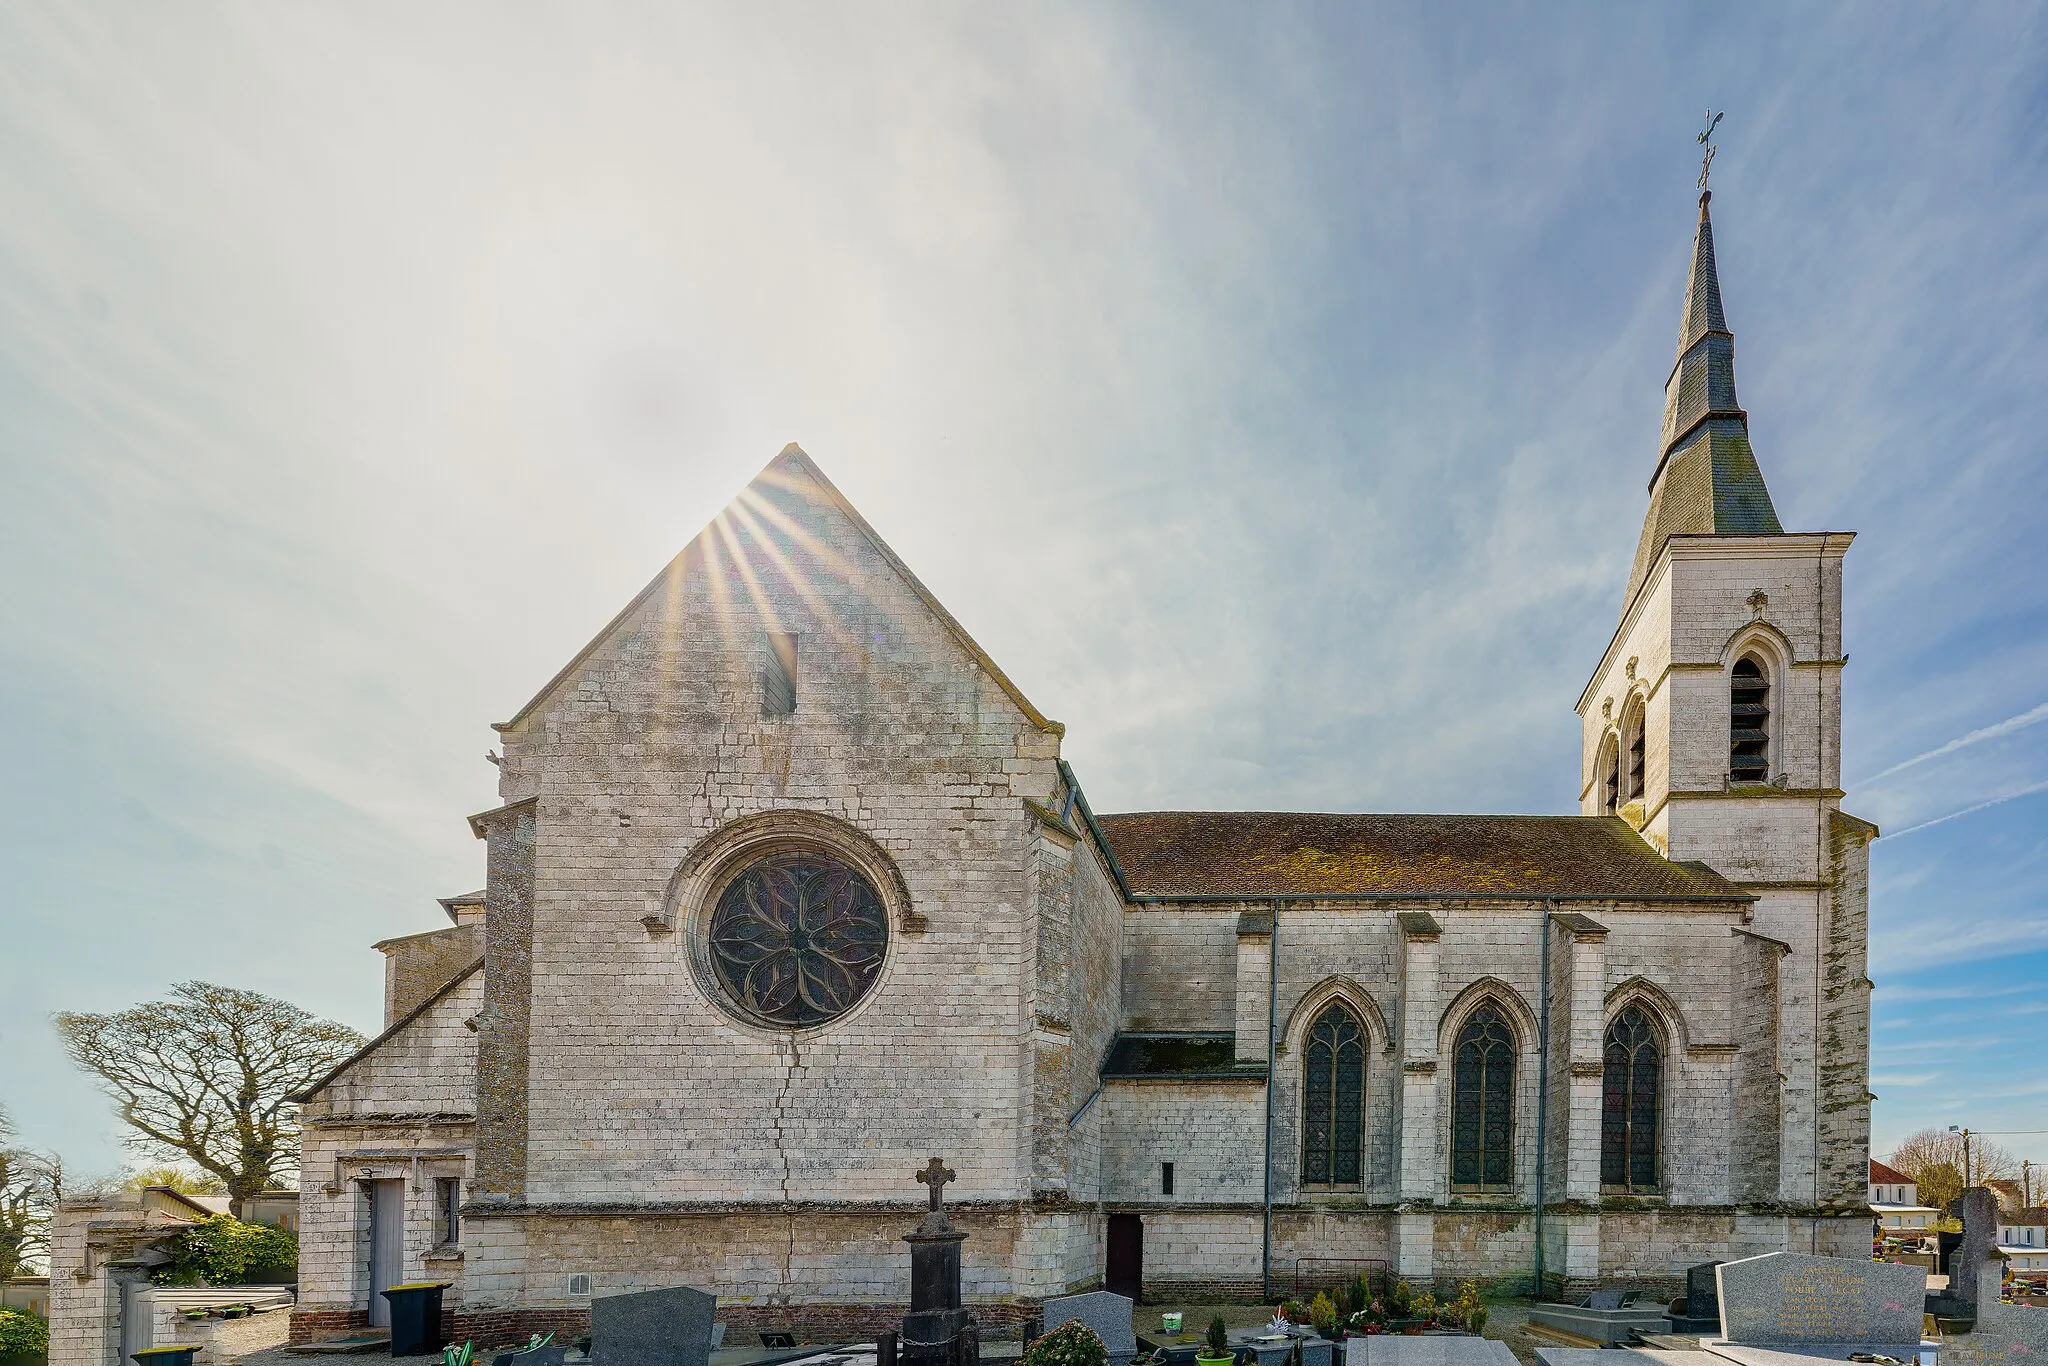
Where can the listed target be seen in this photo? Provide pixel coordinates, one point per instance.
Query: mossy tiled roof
(1299, 853)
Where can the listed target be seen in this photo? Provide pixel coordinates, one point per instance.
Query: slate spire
(1706, 482)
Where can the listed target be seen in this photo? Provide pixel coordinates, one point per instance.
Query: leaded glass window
(1483, 1103)
(797, 938)
(1333, 1118)
(1629, 1100)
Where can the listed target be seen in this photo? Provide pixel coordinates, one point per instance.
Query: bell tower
(1712, 726)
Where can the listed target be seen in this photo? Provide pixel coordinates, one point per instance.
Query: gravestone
(1796, 1301)
(1393, 1349)
(1103, 1313)
(2004, 1335)
(1605, 1298)
(1976, 1269)
(1702, 1302)
(1624, 1356)
(652, 1328)
(1318, 1352)
(938, 1330)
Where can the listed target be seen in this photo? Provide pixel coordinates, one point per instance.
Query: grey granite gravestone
(1702, 1302)
(1318, 1352)
(1622, 1356)
(1976, 1269)
(2004, 1335)
(1391, 1349)
(652, 1328)
(1103, 1313)
(1791, 1299)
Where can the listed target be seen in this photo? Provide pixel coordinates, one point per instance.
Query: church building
(790, 890)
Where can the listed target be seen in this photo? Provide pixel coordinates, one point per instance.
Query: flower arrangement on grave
(1322, 1313)
(1466, 1311)
(1216, 1343)
(1401, 1301)
(464, 1355)
(1073, 1343)
(1428, 1310)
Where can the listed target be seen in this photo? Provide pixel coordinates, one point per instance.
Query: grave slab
(1624, 1356)
(1604, 1326)
(669, 1327)
(1807, 1353)
(1399, 1350)
(1788, 1299)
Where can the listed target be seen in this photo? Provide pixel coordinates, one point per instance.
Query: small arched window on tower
(1749, 714)
(1633, 764)
(1333, 1100)
(1483, 1103)
(1632, 1080)
(1610, 779)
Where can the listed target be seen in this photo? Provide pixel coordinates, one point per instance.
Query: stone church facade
(791, 889)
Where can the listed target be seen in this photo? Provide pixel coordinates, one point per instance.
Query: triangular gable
(398, 1027)
(792, 463)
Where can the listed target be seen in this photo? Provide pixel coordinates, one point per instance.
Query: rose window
(797, 938)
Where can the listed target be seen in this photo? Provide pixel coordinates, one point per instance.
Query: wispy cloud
(1903, 1078)
(1972, 810)
(2005, 727)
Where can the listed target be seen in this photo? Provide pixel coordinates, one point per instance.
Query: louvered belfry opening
(1749, 711)
(1637, 752)
(1333, 1122)
(1610, 782)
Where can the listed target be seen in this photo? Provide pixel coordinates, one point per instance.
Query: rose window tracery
(797, 938)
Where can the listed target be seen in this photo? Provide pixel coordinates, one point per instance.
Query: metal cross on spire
(1706, 140)
(935, 1174)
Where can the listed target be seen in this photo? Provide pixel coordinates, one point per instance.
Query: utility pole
(1966, 1153)
(2026, 1185)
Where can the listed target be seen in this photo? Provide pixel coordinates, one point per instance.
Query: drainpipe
(1542, 1093)
(1272, 1024)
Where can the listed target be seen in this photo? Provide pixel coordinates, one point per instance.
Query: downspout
(1272, 1042)
(1542, 1093)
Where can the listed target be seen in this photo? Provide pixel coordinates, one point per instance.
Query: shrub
(1071, 1344)
(1403, 1300)
(22, 1333)
(1466, 1311)
(223, 1250)
(1322, 1312)
(1218, 1339)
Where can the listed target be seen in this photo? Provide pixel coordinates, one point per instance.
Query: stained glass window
(798, 938)
(1628, 1103)
(1333, 1110)
(1483, 1103)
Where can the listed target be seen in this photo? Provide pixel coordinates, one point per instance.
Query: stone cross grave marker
(1975, 1270)
(1790, 1298)
(935, 1174)
(652, 1328)
(1107, 1315)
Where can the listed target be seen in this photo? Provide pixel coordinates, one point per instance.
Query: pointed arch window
(1333, 1100)
(1610, 779)
(1630, 1093)
(1749, 714)
(1483, 1103)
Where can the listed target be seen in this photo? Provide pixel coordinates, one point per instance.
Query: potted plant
(1215, 1348)
(1322, 1313)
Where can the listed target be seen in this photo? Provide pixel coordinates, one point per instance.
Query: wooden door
(387, 1246)
(1123, 1270)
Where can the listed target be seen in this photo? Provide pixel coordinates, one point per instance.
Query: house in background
(1895, 1200)
(31, 1293)
(2024, 1240)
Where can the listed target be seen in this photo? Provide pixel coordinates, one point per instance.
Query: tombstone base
(939, 1337)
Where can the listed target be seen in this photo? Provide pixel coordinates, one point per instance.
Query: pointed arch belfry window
(1333, 1100)
(1483, 1102)
(1635, 761)
(1630, 1095)
(1749, 714)
(1610, 779)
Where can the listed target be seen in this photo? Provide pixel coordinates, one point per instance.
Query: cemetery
(1774, 1309)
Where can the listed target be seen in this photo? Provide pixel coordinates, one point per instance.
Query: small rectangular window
(778, 675)
(1166, 1178)
(448, 1211)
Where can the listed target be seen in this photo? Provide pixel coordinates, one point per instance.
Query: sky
(1271, 389)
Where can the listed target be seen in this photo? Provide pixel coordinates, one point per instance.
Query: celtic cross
(936, 1174)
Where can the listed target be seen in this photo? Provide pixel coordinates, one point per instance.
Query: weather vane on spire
(1706, 140)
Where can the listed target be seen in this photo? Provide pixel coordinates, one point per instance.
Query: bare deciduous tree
(1934, 1160)
(28, 1194)
(208, 1074)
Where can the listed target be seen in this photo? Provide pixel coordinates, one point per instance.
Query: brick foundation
(310, 1325)
(822, 1323)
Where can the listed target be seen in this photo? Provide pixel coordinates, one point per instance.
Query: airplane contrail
(2005, 727)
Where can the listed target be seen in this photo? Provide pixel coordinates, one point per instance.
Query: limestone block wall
(418, 965)
(334, 1214)
(1180, 968)
(426, 1069)
(653, 740)
(1211, 1131)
